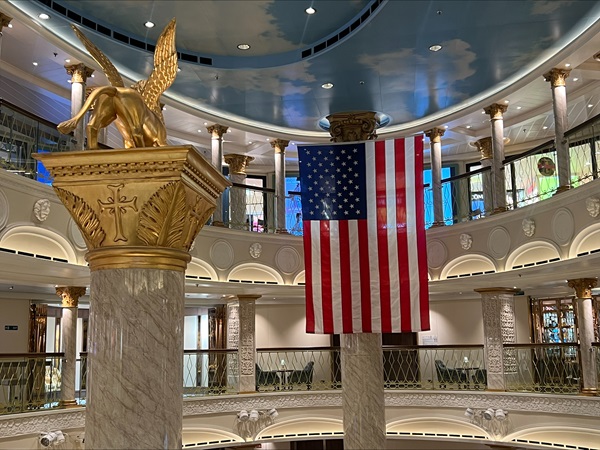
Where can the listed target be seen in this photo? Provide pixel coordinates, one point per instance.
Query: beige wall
(14, 312)
(455, 321)
(284, 326)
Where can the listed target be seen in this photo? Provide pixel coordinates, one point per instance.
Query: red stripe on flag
(326, 281)
(421, 236)
(345, 275)
(382, 238)
(310, 307)
(400, 163)
(365, 277)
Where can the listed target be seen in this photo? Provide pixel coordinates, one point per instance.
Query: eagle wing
(165, 69)
(107, 67)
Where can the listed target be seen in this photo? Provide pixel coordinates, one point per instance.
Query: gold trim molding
(134, 205)
(583, 286)
(352, 126)
(70, 295)
(557, 77)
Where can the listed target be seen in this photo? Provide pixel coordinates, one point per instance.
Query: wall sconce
(249, 424)
(51, 439)
(490, 419)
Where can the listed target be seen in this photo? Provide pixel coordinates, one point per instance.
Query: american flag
(364, 237)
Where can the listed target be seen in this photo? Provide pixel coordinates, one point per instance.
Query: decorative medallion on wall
(41, 209)
(436, 253)
(255, 250)
(528, 226)
(546, 166)
(563, 226)
(499, 242)
(75, 235)
(466, 241)
(3, 210)
(221, 254)
(287, 260)
(592, 204)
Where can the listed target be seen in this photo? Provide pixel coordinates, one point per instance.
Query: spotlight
(488, 414)
(469, 412)
(243, 415)
(53, 438)
(273, 413)
(254, 415)
(501, 414)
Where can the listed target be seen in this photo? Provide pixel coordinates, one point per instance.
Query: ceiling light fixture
(249, 142)
(435, 48)
(327, 85)
(10, 25)
(34, 63)
(445, 127)
(590, 106)
(567, 65)
(243, 46)
(468, 126)
(67, 60)
(43, 16)
(519, 107)
(575, 79)
(506, 101)
(149, 24)
(178, 69)
(199, 131)
(310, 10)
(545, 128)
(92, 75)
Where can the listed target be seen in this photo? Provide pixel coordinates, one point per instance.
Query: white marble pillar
(247, 342)
(217, 131)
(279, 146)
(585, 321)
(68, 324)
(498, 309)
(484, 145)
(435, 139)
(557, 79)
(362, 396)
(238, 216)
(495, 112)
(79, 74)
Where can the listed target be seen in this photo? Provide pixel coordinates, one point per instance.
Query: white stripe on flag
(411, 230)
(354, 276)
(392, 234)
(315, 240)
(336, 278)
(372, 232)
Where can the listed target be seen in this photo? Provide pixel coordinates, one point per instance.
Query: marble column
(68, 324)
(247, 342)
(495, 112)
(279, 146)
(216, 145)
(585, 321)
(435, 138)
(498, 309)
(484, 145)
(361, 353)
(79, 75)
(557, 79)
(139, 210)
(238, 218)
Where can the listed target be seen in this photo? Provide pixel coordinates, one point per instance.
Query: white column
(279, 146)
(498, 309)
(362, 396)
(79, 74)
(435, 139)
(217, 131)
(247, 342)
(557, 78)
(495, 112)
(585, 321)
(70, 299)
(237, 196)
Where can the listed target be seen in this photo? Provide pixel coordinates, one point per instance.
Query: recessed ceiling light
(164, 108)
(178, 69)
(544, 128)
(445, 127)
(435, 48)
(149, 24)
(310, 10)
(243, 46)
(506, 101)
(205, 123)
(93, 75)
(268, 139)
(327, 85)
(567, 65)
(67, 60)
(43, 16)
(519, 107)
(249, 142)
(468, 126)
(292, 143)
(590, 106)
(575, 79)
(34, 63)
(199, 131)
(482, 112)
(10, 25)
(69, 81)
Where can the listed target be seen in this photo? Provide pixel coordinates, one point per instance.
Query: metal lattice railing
(542, 368)
(210, 372)
(30, 382)
(596, 351)
(467, 197)
(316, 368)
(249, 208)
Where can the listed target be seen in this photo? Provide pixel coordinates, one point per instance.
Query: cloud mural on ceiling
(548, 6)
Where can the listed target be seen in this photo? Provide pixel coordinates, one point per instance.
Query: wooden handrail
(31, 355)
(296, 349)
(561, 344)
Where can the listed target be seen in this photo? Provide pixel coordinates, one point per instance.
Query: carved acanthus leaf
(84, 217)
(196, 218)
(163, 217)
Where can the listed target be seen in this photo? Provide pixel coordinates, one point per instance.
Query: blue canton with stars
(332, 180)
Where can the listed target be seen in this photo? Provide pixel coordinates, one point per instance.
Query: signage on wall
(11, 327)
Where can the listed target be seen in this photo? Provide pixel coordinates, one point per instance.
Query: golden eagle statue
(135, 110)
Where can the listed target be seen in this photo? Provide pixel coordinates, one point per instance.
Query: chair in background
(303, 376)
(446, 375)
(266, 377)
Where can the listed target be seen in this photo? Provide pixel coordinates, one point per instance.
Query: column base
(68, 404)
(282, 231)
(438, 224)
(218, 224)
(592, 392)
(562, 189)
(499, 210)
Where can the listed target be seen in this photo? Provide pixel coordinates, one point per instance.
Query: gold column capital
(279, 145)
(435, 135)
(79, 72)
(583, 286)
(4, 20)
(495, 110)
(217, 131)
(70, 295)
(557, 77)
(139, 207)
(238, 163)
(352, 126)
(484, 145)
(247, 297)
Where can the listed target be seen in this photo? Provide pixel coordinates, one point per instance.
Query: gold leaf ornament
(162, 218)
(84, 217)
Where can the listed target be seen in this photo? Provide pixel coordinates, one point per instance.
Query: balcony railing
(30, 381)
(210, 372)
(249, 208)
(596, 351)
(542, 368)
